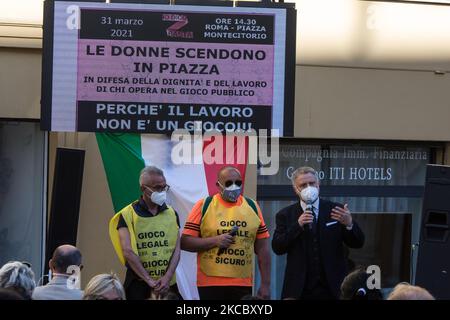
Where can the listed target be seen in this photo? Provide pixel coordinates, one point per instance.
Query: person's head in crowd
(306, 183)
(64, 281)
(354, 287)
(9, 294)
(64, 257)
(19, 277)
(104, 287)
(229, 183)
(153, 186)
(405, 291)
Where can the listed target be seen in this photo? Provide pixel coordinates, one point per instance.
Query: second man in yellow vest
(226, 230)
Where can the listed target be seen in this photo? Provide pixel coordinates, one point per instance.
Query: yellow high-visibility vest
(237, 260)
(153, 239)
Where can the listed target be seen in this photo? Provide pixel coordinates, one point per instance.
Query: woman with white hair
(104, 287)
(405, 291)
(19, 277)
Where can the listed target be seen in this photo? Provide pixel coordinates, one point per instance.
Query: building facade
(371, 110)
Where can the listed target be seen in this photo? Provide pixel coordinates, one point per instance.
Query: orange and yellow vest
(237, 260)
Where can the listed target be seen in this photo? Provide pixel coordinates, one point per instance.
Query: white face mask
(309, 194)
(158, 198)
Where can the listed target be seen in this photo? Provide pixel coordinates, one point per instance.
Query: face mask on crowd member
(307, 187)
(230, 184)
(233, 191)
(158, 197)
(309, 194)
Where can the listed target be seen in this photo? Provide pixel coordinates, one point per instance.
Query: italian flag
(125, 155)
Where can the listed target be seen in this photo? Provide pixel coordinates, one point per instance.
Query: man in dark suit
(312, 232)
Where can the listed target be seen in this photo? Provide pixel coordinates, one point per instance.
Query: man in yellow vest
(226, 230)
(145, 235)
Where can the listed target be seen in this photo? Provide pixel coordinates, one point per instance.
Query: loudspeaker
(433, 262)
(65, 202)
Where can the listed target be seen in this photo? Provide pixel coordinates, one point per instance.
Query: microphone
(232, 233)
(309, 207)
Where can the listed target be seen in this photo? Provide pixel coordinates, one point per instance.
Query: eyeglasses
(229, 183)
(158, 189)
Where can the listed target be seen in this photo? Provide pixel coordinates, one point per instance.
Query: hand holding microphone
(309, 195)
(306, 218)
(226, 239)
(309, 208)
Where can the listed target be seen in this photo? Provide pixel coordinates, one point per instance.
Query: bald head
(226, 177)
(227, 171)
(65, 256)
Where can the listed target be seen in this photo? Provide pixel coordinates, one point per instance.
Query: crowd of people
(17, 282)
(226, 231)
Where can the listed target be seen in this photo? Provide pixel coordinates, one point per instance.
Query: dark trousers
(138, 289)
(223, 292)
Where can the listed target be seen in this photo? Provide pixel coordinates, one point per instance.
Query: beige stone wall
(349, 103)
(20, 83)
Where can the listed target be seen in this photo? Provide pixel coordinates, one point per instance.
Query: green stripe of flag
(122, 159)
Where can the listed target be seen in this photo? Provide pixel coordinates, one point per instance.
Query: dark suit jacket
(289, 238)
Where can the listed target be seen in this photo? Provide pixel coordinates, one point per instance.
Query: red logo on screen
(174, 30)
